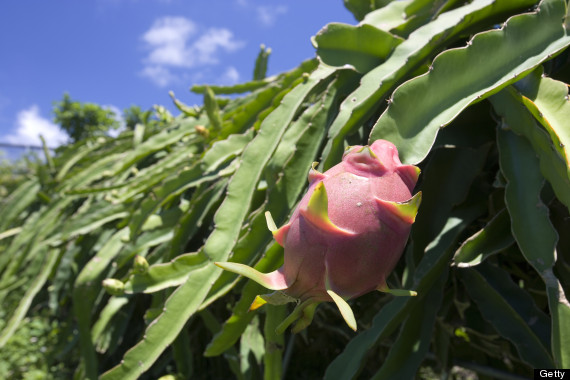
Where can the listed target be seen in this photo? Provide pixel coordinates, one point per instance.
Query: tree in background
(83, 120)
(134, 115)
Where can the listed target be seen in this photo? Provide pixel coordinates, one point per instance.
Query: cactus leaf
(399, 125)
(20, 198)
(298, 148)
(547, 101)
(380, 81)
(361, 47)
(10, 232)
(499, 297)
(306, 317)
(492, 239)
(274, 343)
(236, 324)
(204, 171)
(274, 280)
(413, 341)
(431, 267)
(299, 313)
(19, 313)
(260, 69)
(212, 109)
(508, 105)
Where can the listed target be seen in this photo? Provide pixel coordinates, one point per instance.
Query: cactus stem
(300, 312)
(306, 318)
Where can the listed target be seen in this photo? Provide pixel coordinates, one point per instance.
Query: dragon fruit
(345, 236)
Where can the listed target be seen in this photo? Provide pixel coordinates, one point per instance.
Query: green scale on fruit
(345, 237)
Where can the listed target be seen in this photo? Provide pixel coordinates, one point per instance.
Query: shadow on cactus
(345, 237)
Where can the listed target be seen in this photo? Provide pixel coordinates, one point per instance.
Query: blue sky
(119, 53)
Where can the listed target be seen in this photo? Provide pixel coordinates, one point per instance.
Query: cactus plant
(490, 263)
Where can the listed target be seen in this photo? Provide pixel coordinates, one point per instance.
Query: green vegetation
(13, 173)
(83, 120)
(471, 92)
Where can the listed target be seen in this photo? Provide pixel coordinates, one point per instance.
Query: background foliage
(473, 92)
(83, 120)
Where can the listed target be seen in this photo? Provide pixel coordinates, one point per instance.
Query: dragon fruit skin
(347, 233)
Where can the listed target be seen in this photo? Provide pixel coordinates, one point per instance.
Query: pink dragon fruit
(346, 235)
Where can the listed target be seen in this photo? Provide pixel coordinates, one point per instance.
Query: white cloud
(160, 75)
(230, 76)
(119, 118)
(207, 45)
(268, 14)
(30, 124)
(174, 43)
(167, 39)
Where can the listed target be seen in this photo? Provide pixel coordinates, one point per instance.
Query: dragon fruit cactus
(345, 237)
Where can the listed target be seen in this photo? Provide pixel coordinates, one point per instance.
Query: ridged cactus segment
(415, 132)
(424, 42)
(345, 237)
